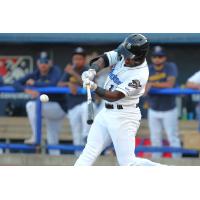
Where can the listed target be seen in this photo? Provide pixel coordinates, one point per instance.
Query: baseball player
(162, 113)
(53, 111)
(194, 83)
(119, 120)
(77, 104)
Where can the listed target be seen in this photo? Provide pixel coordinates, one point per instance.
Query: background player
(162, 113)
(53, 111)
(77, 105)
(194, 83)
(119, 121)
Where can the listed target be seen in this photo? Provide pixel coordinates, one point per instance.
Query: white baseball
(44, 98)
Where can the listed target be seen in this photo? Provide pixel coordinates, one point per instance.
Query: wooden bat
(90, 117)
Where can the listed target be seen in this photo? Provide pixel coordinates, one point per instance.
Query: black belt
(119, 107)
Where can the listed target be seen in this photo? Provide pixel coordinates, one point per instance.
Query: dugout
(184, 49)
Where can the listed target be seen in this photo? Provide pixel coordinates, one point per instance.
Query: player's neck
(159, 67)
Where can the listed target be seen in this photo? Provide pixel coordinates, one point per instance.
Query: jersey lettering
(114, 78)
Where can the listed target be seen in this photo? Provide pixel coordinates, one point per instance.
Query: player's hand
(69, 69)
(148, 87)
(93, 85)
(73, 88)
(30, 82)
(34, 94)
(90, 74)
(63, 84)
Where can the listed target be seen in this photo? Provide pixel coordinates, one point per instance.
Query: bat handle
(90, 106)
(88, 92)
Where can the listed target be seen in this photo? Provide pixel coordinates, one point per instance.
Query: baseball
(44, 98)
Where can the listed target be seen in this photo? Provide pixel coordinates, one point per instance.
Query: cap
(158, 51)
(43, 58)
(79, 51)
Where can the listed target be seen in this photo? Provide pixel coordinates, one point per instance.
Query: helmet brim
(124, 52)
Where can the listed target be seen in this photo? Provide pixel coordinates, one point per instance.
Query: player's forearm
(98, 64)
(108, 95)
(193, 85)
(18, 86)
(162, 84)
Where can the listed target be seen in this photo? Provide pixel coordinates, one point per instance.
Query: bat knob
(89, 121)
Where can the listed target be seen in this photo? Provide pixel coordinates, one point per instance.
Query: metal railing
(61, 90)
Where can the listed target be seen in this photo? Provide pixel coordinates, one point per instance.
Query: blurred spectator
(194, 83)
(53, 111)
(77, 106)
(162, 113)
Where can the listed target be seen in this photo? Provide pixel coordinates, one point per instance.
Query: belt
(119, 107)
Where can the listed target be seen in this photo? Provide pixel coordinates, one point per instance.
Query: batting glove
(90, 74)
(93, 85)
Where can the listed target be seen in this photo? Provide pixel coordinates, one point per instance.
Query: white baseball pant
(198, 115)
(53, 115)
(118, 127)
(167, 120)
(78, 121)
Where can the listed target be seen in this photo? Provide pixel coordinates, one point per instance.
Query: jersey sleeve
(113, 57)
(130, 87)
(195, 78)
(20, 84)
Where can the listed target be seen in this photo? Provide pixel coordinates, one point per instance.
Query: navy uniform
(195, 81)
(53, 111)
(162, 113)
(76, 103)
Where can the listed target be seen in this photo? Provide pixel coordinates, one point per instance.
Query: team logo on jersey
(135, 84)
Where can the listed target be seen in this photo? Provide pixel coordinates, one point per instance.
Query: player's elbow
(190, 84)
(115, 96)
(112, 100)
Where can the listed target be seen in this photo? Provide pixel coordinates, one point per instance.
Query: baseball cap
(79, 51)
(158, 51)
(43, 58)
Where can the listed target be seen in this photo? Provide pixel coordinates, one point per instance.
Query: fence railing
(62, 90)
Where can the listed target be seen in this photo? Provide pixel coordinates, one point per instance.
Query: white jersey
(195, 78)
(131, 81)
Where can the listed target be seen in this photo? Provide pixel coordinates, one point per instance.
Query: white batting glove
(93, 85)
(90, 74)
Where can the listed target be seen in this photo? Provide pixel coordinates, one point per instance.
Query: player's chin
(129, 62)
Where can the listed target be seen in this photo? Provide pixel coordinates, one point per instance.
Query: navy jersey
(74, 100)
(162, 102)
(51, 79)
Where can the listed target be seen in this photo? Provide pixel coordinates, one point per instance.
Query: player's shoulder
(170, 65)
(196, 74)
(55, 69)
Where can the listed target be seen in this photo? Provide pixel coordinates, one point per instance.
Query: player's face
(79, 61)
(129, 62)
(43, 67)
(158, 60)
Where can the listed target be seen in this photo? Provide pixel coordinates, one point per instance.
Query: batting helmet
(135, 46)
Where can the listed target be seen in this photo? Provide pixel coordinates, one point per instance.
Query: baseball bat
(90, 117)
